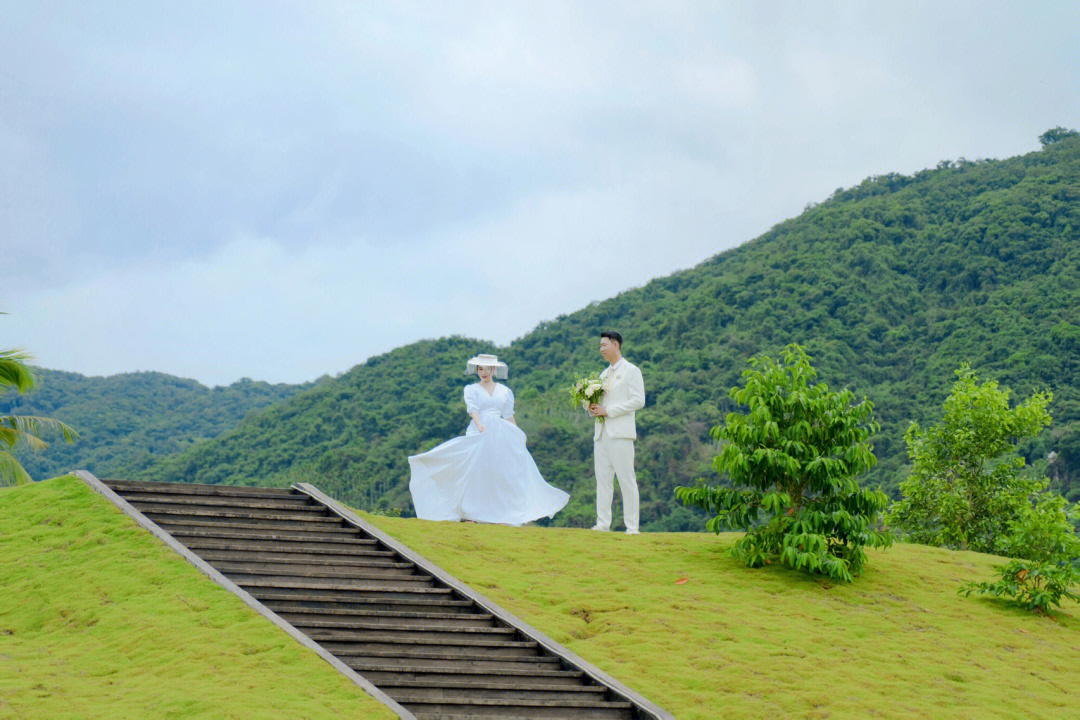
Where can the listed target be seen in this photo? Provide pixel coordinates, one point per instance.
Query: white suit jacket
(624, 394)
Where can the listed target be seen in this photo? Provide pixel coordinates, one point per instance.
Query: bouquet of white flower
(586, 391)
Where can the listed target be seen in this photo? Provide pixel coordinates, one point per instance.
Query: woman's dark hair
(613, 336)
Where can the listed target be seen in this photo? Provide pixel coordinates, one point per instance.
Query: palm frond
(14, 372)
(32, 426)
(11, 472)
(10, 437)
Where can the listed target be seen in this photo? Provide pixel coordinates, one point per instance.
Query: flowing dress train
(484, 476)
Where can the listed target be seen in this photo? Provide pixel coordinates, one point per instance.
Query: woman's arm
(476, 419)
(510, 420)
(507, 411)
(471, 407)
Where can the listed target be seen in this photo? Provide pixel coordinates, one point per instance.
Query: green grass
(100, 620)
(733, 642)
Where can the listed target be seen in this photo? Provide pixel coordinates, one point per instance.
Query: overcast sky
(278, 191)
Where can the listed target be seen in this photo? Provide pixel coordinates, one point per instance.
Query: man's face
(609, 349)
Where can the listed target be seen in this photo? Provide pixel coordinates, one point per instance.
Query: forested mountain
(890, 284)
(127, 421)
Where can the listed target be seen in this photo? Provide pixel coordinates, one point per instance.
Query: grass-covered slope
(127, 421)
(891, 285)
(100, 620)
(732, 642)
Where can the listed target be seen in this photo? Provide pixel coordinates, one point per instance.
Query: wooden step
(455, 716)
(345, 591)
(379, 587)
(492, 689)
(317, 549)
(458, 652)
(440, 661)
(365, 579)
(169, 522)
(288, 504)
(354, 618)
(313, 515)
(337, 601)
(294, 592)
(304, 515)
(140, 486)
(486, 638)
(302, 559)
(276, 536)
(318, 571)
(421, 675)
(372, 632)
(562, 709)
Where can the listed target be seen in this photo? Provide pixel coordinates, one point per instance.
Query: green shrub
(1045, 550)
(967, 486)
(795, 458)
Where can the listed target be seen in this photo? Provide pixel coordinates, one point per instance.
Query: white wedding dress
(484, 476)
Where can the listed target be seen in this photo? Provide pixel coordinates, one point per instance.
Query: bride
(488, 475)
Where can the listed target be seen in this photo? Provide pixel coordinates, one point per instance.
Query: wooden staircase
(419, 636)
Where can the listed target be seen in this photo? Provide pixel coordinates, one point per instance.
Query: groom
(613, 439)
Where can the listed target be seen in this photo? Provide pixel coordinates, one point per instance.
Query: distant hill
(891, 284)
(127, 421)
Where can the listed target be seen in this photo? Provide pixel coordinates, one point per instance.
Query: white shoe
(632, 532)
(600, 529)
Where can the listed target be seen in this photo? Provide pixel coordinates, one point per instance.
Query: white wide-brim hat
(487, 361)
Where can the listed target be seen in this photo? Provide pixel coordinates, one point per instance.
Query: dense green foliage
(1046, 550)
(22, 430)
(967, 485)
(127, 421)
(968, 489)
(890, 285)
(796, 455)
(1057, 134)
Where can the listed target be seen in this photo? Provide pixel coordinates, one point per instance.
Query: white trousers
(615, 458)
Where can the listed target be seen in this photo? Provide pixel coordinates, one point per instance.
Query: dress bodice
(499, 403)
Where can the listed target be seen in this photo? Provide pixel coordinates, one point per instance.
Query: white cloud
(295, 314)
(834, 79)
(252, 303)
(725, 82)
(280, 191)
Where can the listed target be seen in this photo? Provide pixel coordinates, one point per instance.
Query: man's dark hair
(613, 336)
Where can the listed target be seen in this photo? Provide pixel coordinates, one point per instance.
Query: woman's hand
(480, 426)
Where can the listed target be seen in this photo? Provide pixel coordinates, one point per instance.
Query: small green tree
(966, 488)
(794, 459)
(25, 430)
(1045, 550)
